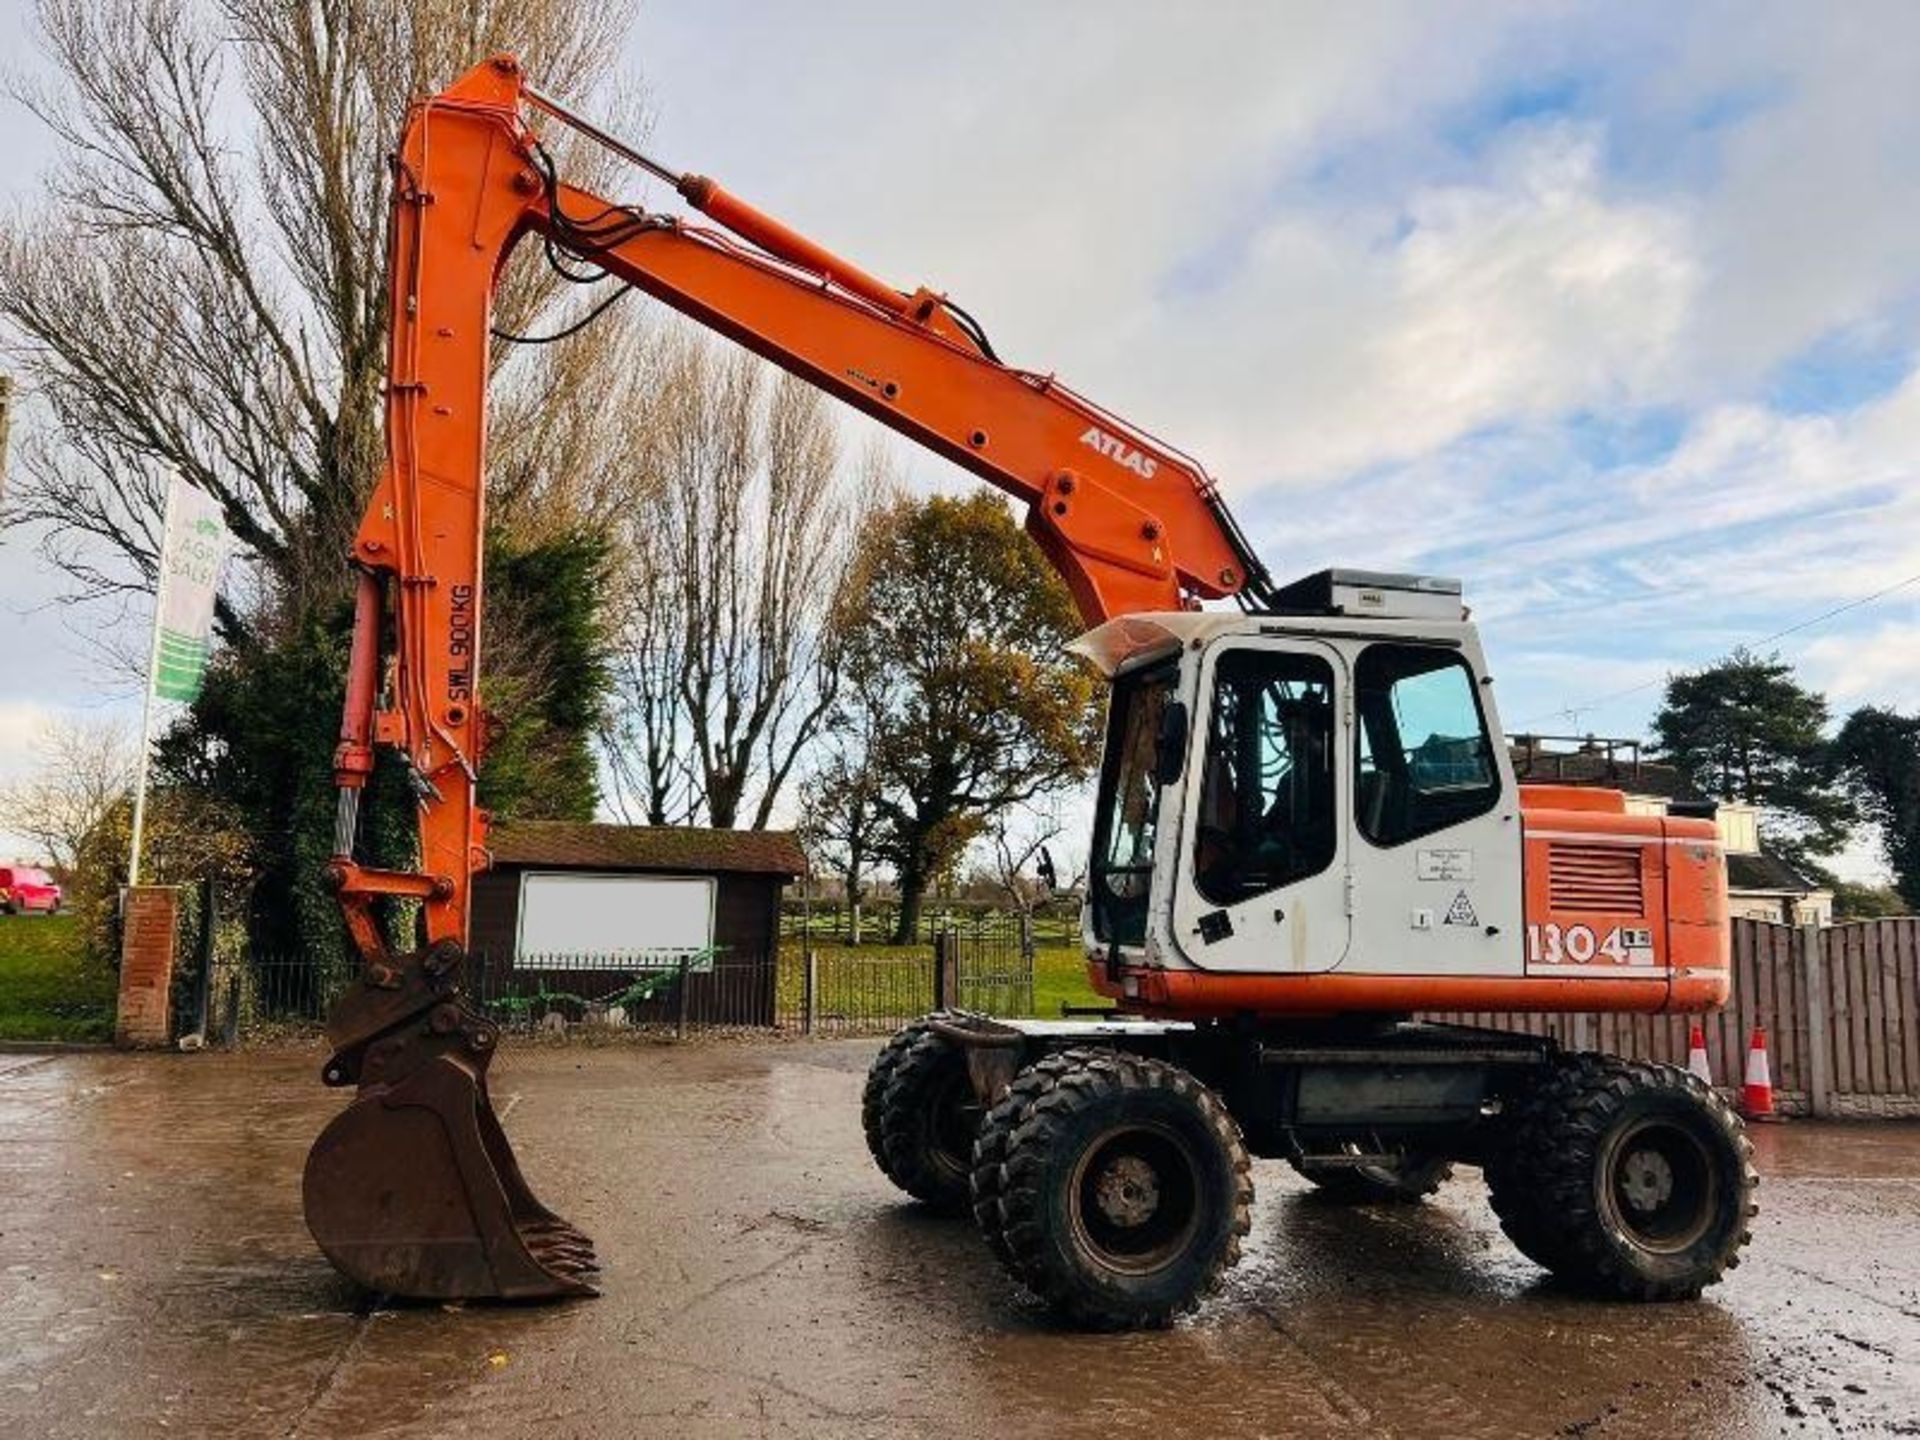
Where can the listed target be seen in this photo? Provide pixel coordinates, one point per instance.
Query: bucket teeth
(579, 1271)
(556, 1242)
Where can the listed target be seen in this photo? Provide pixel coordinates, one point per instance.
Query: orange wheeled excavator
(1307, 831)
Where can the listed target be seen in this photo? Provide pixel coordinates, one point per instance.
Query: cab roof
(1129, 641)
(1340, 596)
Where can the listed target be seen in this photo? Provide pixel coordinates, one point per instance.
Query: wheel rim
(1658, 1186)
(1135, 1198)
(952, 1121)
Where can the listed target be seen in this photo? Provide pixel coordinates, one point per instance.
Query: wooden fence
(1841, 1006)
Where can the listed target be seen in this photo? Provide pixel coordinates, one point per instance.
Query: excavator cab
(1262, 771)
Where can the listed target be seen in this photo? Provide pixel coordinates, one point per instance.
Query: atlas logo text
(1119, 450)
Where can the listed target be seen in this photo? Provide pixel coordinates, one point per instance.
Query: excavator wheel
(920, 1115)
(413, 1190)
(996, 1132)
(1514, 1187)
(1628, 1180)
(1122, 1191)
(1407, 1181)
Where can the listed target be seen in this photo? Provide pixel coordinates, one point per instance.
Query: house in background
(582, 907)
(565, 888)
(1759, 886)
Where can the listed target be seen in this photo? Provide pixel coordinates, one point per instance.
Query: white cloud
(1055, 167)
(1533, 294)
(1880, 666)
(22, 722)
(1345, 341)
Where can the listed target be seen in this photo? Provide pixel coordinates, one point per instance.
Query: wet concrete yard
(763, 1279)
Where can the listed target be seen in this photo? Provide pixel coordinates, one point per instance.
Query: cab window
(1126, 821)
(1425, 758)
(1266, 805)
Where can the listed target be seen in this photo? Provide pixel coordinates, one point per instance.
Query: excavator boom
(413, 1188)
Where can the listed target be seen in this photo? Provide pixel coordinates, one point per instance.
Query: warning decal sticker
(1443, 864)
(1461, 911)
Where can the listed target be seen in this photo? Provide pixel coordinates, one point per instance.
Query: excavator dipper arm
(413, 1189)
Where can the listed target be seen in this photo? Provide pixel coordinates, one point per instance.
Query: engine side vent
(1595, 877)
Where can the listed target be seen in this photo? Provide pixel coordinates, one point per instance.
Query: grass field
(48, 989)
(896, 981)
(1060, 976)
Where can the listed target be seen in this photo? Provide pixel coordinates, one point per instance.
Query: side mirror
(1170, 746)
(1043, 867)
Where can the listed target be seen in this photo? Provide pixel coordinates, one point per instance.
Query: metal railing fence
(817, 989)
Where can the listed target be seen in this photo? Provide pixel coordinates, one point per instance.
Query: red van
(27, 888)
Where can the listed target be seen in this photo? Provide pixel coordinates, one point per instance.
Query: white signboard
(566, 915)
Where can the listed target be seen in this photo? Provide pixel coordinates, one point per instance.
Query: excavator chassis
(413, 1190)
(1293, 1088)
(1108, 1165)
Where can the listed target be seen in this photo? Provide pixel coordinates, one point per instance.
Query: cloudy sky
(1607, 309)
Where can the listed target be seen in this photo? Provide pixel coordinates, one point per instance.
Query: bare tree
(1016, 842)
(651, 767)
(82, 770)
(736, 558)
(204, 287)
(840, 814)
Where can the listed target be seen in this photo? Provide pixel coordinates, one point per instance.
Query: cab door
(1262, 868)
(1436, 851)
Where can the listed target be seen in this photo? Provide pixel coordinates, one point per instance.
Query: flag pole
(153, 671)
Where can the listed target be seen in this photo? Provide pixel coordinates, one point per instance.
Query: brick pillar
(150, 916)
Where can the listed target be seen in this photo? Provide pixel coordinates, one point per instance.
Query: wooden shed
(568, 901)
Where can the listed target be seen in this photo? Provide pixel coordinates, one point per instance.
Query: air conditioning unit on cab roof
(1363, 593)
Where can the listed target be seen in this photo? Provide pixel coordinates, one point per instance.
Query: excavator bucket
(413, 1190)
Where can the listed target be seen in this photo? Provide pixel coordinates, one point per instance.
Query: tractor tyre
(919, 1114)
(1407, 1181)
(1515, 1190)
(1637, 1180)
(996, 1130)
(1124, 1190)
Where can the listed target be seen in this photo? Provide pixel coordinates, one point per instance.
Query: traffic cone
(1697, 1053)
(1756, 1097)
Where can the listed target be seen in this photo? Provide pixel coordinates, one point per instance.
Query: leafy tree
(1867, 902)
(187, 838)
(547, 658)
(1878, 753)
(955, 668)
(1745, 729)
(261, 738)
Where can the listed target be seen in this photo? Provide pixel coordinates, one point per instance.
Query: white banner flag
(192, 552)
